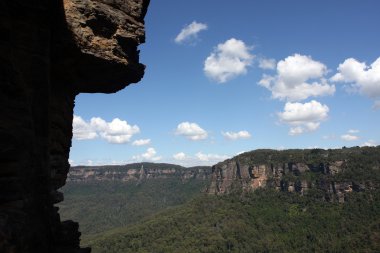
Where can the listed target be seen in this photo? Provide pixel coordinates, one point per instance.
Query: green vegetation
(310, 156)
(103, 205)
(170, 215)
(363, 163)
(136, 166)
(262, 221)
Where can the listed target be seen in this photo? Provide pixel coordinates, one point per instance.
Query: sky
(224, 77)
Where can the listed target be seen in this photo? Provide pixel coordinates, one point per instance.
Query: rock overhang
(101, 44)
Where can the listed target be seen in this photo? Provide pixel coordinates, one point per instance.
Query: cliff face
(330, 173)
(137, 172)
(50, 51)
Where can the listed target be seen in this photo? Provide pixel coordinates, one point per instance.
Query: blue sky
(225, 77)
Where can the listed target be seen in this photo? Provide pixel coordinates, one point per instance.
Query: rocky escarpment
(50, 51)
(137, 172)
(330, 174)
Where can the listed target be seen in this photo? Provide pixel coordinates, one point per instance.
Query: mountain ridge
(263, 200)
(333, 172)
(137, 172)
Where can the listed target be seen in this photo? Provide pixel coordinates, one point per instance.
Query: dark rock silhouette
(50, 51)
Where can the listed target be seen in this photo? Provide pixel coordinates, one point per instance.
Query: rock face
(137, 172)
(50, 51)
(298, 171)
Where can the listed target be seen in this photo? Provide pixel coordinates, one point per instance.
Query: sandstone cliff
(50, 51)
(330, 174)
(137, 172)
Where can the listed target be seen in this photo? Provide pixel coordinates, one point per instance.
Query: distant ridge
(137, 172)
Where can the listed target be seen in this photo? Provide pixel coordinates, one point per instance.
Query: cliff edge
(50, 51)
(137, 172)
(328, 174)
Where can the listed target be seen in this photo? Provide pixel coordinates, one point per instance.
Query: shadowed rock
(50, 51)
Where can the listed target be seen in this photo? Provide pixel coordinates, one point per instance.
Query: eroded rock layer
(50, 51)
(137, 172)
(329, 174)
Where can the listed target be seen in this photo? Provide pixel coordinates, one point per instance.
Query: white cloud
(117, 162)
(117, 131)
(190, 32)
(179, 156)
(267, 63)
(297, 130)
(304, 128)
(298, 77)
(141, 142)
(229, 60)
(298, 68)
(149, 155)
(370, 143)
(303, 117)
(82, 130)
(210, 158)
(296, 113)
(191, 131)
(102, 162)
(198, 159)
(363, 78)
(236, 135)
(349, 137)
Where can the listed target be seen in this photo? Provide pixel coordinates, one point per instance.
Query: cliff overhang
(50, 51)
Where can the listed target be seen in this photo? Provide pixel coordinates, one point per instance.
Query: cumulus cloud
(149, 155)
(361, 77)
(210, 158)
(229, 60)
(296, 113)
(190, 32)
(141, 142)
(179, 156)
(236, 135)
(82, 130)
(117, 131)
(305, 128)
(303, 117)
(191, 131)
(298, 77)
(370, 143)
(198, 159)
(349, 137)
(267, 63)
